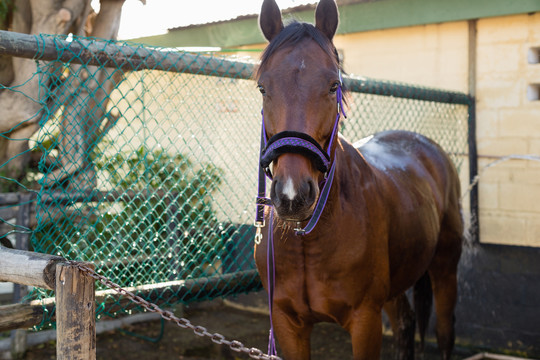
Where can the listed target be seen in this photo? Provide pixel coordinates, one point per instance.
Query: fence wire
(149, 162)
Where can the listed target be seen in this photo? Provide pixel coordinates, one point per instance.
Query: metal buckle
(298, 229)
(258, 233)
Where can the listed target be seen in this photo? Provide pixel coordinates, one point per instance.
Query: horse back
(406, 158)
(420, 189)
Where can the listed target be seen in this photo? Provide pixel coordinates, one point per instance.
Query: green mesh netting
(151, 174)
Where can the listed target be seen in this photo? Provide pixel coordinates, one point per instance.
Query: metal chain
(217, 338)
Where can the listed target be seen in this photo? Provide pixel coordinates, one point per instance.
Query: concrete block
(488, 193)
(520, 197)
(499, 93)
(502, 29)
(494, 59)
(527, 176)
(520, 122)
(505, 172)
(533, 231)
(487, 123)
(534, 145)
(532, 73)
(533, 22)
(452, 35)
(501, 228)
(501, 146)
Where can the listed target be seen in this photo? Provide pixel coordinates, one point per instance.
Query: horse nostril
(312, 191)
(275, 192)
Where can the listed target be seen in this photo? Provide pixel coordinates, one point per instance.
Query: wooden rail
(21, 316)
(28, 268)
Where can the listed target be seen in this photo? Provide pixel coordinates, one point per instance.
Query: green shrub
(165, 229)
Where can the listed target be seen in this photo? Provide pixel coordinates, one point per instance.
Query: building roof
(247, 17)
(355, 16)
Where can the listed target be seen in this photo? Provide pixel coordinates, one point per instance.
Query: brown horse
(392, 219)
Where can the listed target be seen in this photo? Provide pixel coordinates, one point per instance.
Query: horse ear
(327, 18)
(270, 19)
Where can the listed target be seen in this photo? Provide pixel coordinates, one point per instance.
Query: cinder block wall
(508, 123)
(431, 55)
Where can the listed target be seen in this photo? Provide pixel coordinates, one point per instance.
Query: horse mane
(294, 33)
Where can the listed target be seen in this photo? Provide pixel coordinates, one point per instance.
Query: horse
(389, 221)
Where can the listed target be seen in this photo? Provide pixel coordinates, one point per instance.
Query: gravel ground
(329, 341)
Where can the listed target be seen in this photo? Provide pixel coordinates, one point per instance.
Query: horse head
(300, 80)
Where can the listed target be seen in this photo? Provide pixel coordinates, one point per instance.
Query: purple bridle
(297, 142)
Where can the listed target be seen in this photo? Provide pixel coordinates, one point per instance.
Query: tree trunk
(23, 106)
(85, 96)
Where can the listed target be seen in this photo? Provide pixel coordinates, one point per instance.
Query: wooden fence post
(75, 314)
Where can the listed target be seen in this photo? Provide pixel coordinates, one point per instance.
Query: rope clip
(258, 233)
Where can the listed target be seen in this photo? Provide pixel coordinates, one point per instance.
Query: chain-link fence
(149, 161)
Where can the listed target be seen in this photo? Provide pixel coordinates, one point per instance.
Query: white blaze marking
(289, 190)
(302, 65)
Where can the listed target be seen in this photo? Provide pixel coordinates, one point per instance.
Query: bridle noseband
(301, 143)
(294, 142)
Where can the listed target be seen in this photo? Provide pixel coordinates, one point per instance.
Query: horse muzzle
(294, 191)
(294, 202)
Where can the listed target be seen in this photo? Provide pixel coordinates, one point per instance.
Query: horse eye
(334, 88)
(261, 89)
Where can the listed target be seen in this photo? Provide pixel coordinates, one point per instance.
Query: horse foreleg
(293, 335)
(403, 326)
(366, 333)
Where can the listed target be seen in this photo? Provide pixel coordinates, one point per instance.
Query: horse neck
(351, 168)
(352, 174)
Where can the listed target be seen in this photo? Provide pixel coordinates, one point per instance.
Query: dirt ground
(329, 341)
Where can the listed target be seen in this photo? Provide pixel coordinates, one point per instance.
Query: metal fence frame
(96, 52)
(138, 58)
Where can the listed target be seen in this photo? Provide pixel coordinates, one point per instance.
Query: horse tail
(423, 300)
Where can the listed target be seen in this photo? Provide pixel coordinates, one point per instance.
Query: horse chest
(331, 282)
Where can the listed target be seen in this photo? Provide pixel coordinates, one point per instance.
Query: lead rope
(263, 201)
(271, 277)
